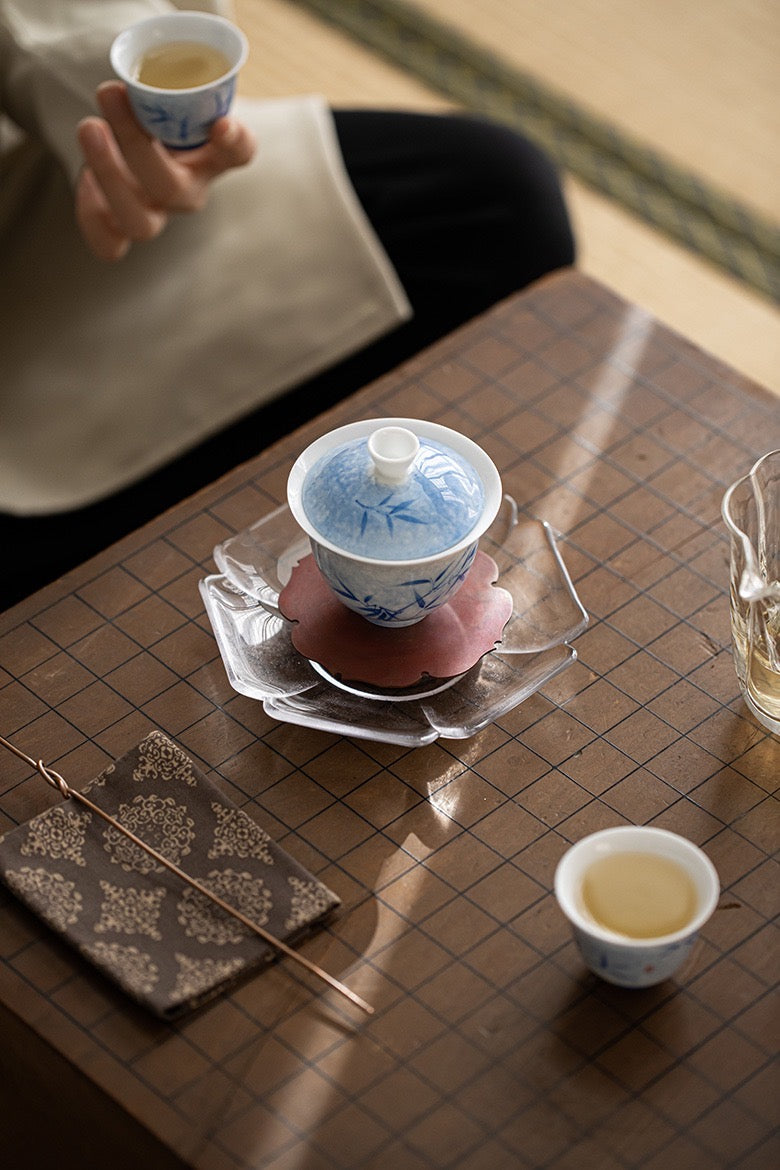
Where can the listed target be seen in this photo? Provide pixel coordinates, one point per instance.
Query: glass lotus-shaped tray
(256, 641)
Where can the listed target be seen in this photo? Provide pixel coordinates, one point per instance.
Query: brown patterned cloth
(163, 941)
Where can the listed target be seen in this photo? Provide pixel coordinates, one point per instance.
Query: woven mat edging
(695, 214)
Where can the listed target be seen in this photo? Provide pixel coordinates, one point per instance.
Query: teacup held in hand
(180, 70)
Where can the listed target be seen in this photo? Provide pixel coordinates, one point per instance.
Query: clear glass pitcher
(751, 510)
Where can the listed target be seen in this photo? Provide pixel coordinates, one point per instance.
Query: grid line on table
(499, 920)
(550, 991)
(627, 1029)
(423, 923)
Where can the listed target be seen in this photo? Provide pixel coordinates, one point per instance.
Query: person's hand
(131, 184)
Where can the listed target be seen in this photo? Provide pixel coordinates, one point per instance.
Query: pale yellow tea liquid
(758, 659)
(640, 895)
(181, 65)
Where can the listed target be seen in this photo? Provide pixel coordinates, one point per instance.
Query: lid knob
(393, 451)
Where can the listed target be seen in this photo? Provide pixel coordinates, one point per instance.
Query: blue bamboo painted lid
(392, 495)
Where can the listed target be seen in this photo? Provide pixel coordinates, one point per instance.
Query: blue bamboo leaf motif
(388, 512)
(344, 591)
(155, 113)
(404, 600)
(223, 102)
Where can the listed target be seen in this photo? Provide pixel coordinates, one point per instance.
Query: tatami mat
(294, 51)
(697, 81)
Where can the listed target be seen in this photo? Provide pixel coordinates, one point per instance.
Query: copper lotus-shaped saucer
(443, 645)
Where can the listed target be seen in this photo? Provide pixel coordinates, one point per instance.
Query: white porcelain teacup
(635, 922)
(211, 51)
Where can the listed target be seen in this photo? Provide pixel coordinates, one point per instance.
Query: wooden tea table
(491, 1048)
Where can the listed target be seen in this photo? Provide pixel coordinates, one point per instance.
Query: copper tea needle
(57, 781)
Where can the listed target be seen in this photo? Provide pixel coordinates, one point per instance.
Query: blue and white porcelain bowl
(394, 509)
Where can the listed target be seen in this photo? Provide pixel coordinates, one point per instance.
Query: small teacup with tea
(180, 70)
(636, 898)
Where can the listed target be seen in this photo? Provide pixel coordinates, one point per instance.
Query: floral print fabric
(163, 941)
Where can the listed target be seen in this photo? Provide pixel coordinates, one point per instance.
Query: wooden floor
(696, 81)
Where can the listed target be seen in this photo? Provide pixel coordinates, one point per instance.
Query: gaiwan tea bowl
(394, 509)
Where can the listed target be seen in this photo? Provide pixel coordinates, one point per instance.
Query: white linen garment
(108, 371)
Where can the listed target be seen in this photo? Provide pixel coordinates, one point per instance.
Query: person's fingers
(157, 173)
(131, 182)
(232, 144)
(175, 181)
(132, 214)
(95, 221)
